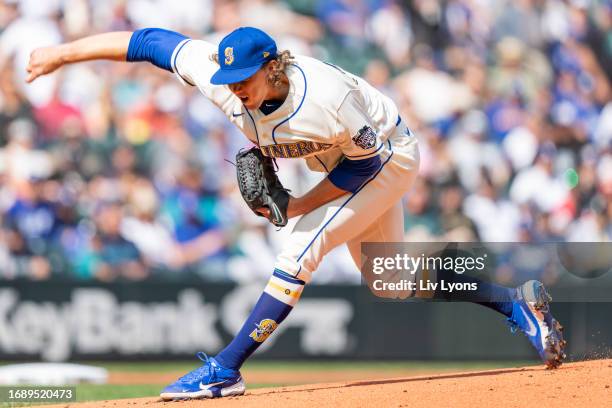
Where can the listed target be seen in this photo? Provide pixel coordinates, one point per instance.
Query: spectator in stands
(112, 171)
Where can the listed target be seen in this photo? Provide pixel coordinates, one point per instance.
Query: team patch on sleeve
(365, 138)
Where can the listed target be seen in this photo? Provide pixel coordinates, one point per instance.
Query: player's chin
(252, 104)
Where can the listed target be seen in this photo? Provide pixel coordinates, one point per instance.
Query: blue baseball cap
(241, 53)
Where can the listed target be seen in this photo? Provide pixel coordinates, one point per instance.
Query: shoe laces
(202, 371)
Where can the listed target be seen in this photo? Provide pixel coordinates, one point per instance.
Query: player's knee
(295, 267)
(301, 258)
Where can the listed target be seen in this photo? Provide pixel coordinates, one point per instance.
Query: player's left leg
(220, 375)
(314, 235)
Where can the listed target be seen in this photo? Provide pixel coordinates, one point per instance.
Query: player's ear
(268, 70)
(270, 66)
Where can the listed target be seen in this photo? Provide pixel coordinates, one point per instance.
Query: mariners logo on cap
(263, 330)
(229, 55)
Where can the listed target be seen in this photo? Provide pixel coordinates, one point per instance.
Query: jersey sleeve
(192, 63)
(154, 45)
(359, 137)
(189, 59)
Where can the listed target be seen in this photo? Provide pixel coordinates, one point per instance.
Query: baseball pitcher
(299, 107)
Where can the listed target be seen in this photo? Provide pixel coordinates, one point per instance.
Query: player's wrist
(294, 208)
(65, 53)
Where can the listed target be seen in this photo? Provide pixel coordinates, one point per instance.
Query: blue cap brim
(230, 76)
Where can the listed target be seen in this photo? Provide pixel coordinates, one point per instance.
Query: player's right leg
(531, 314)
(527, 308)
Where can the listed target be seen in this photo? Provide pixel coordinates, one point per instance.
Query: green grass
(180, 366)
(94, 392)
(91, 392)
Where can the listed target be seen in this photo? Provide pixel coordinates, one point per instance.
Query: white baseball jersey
(328, 114)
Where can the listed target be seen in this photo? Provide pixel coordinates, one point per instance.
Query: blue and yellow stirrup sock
(280, 295)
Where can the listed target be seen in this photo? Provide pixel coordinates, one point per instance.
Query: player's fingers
(32, 62)
(42, 61)
(31, 69)
(264, 211)
(31, 77)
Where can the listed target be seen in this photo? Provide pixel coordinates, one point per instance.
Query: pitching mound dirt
(583, 384)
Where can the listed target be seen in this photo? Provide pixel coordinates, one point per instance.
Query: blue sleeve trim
(154, 45)
(349, 175)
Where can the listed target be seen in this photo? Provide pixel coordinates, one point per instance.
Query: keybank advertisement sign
(58, 322)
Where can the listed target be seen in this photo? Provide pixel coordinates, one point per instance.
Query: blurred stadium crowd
(117, 171)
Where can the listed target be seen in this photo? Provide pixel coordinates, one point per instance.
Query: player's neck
(278, 93)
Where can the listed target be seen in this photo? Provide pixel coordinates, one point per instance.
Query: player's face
(252, 91)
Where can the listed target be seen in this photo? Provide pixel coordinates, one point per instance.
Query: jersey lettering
(293, 150)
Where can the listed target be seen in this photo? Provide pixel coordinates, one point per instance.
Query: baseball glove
(260, 187)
